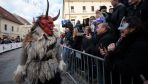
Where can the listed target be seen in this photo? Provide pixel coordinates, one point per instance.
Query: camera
(67, 23)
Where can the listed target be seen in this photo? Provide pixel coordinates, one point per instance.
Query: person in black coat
(139, 8)
(68, 34)
(104, 37)
(135, 8)
(87, 47)
(87, 42)
(144, 14)
(119, 11)
(85, 22)
(125, 2)
(128, 56)
(77, 36)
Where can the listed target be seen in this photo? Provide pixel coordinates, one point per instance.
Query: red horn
(56, 17)
(47, 8)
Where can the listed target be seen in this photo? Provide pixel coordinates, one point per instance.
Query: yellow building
(12, 25)
(80, 9)
(25, 28)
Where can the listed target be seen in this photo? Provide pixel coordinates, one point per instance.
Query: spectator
(68, 40)
(68, 34)
(135, 7)
(99, 16)
(139, 8)
(110, 10)
(91, 23)
(104, 36)
(119, 12)
(87, 43)
(79, 26)
(85, 22)
(125, 2)
(6, 40)
(0, 40)
(98, 20)
(18, 39)
(144, 14)
(129, 55)
(103, 10)
(109, 14)
(62, 38)
(77, 39)
(88, 47)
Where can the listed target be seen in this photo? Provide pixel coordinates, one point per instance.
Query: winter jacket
(118, 13)
(130, 58)
(104, 40)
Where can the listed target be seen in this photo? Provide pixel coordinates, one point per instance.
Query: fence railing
(89, 69)
(10, 46)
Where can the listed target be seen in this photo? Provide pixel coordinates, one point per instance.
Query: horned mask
(46, 22)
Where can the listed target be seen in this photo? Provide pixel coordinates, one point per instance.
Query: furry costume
(40, 62)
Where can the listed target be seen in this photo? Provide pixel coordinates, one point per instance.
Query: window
(84, 8)
(5, 28)
(92, 8)
(72, 9)
(12, 28)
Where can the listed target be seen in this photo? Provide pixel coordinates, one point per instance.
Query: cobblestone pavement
(67, 79)
(8, 64)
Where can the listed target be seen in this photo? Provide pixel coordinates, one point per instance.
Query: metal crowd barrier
(85, 68)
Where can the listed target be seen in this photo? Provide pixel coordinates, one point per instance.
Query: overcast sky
(32, 8)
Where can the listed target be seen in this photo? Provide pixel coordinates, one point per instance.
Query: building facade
(8, 28)
(80, 9)
(25, 28)
(12, 26)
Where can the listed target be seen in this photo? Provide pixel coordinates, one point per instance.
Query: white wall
(9, 28)
(20, 30)
(24, 29)
(78, 11)
(78, 6)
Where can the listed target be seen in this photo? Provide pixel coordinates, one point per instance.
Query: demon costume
(40, 62)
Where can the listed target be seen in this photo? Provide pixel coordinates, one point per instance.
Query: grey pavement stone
(8, 64)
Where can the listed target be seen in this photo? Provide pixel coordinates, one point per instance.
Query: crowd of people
(120, 36)
(7, 40)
